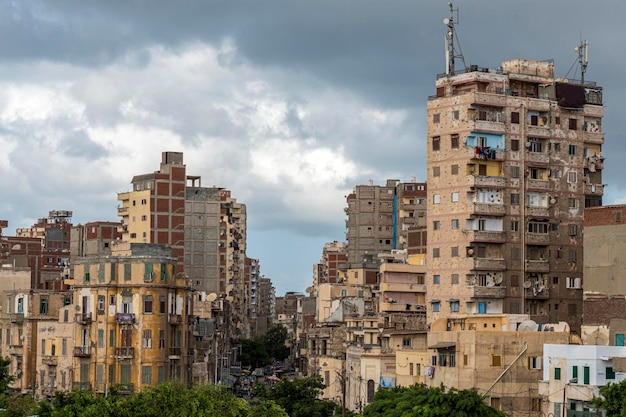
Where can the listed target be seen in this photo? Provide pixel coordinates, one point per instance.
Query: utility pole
(343, 391)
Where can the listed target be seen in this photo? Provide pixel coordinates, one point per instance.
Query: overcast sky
(289, 104)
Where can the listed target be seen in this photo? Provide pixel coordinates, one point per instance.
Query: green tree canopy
(422, 401)
(612, 399)
(274, 341)
(253, 352)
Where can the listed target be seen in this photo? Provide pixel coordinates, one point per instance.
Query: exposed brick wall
(606, 215)
(600, 311)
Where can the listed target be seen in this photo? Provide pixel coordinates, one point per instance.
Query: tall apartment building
(380, 217)
(514, 156)
(333, 264)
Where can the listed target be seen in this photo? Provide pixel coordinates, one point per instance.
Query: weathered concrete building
(514, 156)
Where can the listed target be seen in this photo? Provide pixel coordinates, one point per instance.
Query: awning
(443, 345)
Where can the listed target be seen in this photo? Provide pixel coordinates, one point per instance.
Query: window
(436, 198)
(572, 203)
(515, 145)
(454, 251)
(133, 235)
(435, 305)
(452, 359)
(537, 226)
(436, 225)
(454, 169)
(514, 198)
(87, 276)
(144, 218)
(455, 223)
(482, 307)
(572, 177)
(514, 225)
(162, 304)
(515, 255)
(455, 197)
(573, 124)
(572, 282)
(112, 338)
(574, 371)
(496, 360)
(557, 374)
(147, 339)
(515, 117)
(572, 229)
(436, 118)
(514, 171)
(146, 374)
(411, 369)
(556, 147)
(455, 115)
(100, 338)
(454, 141)
(436, 279)
(148, 273)
(586, 375)
(534, 145)
(443, 359)
(610, 374)
(572, 150)
(534, 362)
(161, 339)
(43, 305)
(436, 171)
(454, 279)
(148, 302)
(454, 306)
(435, 252)
(406, 342)
(436, 143)
(126, 272)
(101, 304)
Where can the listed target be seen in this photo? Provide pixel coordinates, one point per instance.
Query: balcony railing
(175, 319)
(489, 264)
(537, 238)
(174, 352)
(124, 352)
(537, 293)
(538, 157)
(487, 236)
(537, 184)
(49, 360)
(84, 318)
(537, 265)
(125, 318)
(538, 211)
(82, 351)
(489, 209)
(85, 386)
(594, 189)
(17, 318)
(489, 292)
(486, 181)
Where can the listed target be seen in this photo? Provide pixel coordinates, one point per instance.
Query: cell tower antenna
(451, 37)
(583, 58)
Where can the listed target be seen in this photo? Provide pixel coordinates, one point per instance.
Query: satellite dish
(528, 326)
(446, 21)
(498, 280)
(211, 297)
(309, 289)
(553, 200)
(527, 284)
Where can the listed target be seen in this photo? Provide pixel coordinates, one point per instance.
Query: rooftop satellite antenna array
(451, 53)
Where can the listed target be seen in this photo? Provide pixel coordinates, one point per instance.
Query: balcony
(175, 319)
(174, 352)
(538, 211)
(16, 350)
(123, 352)
(537, 238)
(487, 236)
(489, 264)
(593, 137)
(17, 318)
(537, 158)
(480, 181)
(84, 318)
(541, 131)
(402, 287)
(82, 351)
(594, 189)
(537, 293)
(537, 265)
(489, 99)
(122, 211)
(49, 360)
(489, 209)
(125, 318)
(537, 184)
(487, 126)
(48, 391)
(489, 292)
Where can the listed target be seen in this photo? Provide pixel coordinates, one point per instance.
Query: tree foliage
(422, 401)
(612, 399)
(298, 397)
(274, 341)
(253, 353)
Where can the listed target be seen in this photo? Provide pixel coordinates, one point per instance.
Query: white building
(573, 375)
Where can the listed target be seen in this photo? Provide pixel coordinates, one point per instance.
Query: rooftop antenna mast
(583, 58)
(451, 53)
